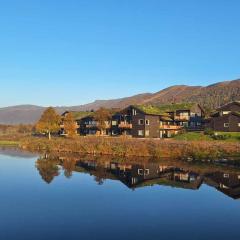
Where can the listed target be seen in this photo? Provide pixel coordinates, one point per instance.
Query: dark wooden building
(140, 123)
(227, 183)
(226, 118)
(90, 126)
(190, 116)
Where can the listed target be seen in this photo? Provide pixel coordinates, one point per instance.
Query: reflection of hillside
(16, 152)
(145, 172)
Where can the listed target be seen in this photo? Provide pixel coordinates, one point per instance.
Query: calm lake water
(55, 197)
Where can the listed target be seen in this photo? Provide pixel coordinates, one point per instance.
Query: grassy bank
(135, 147)
(200, 136)
(8, 143)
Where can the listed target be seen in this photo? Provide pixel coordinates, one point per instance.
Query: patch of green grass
(81, 114)
(193, 136)
(163, 108)
(8, 143)
(229, 136)
(199, 136)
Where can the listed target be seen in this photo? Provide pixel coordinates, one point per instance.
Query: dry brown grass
(134, 147)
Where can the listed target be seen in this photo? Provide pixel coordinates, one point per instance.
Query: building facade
(141, 122)
(226, 118)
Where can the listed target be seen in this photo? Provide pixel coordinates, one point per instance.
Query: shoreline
(132, 147)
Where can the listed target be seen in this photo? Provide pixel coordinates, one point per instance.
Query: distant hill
(209, 97)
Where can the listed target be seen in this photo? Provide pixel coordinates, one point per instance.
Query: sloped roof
(79, 114)
(228, 104)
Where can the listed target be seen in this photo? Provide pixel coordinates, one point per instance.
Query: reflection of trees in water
(47, 168)
(100, 175)
(68, 166)
(142, 173)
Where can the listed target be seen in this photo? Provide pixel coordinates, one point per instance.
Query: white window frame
(140, 171)
(114, 123)
(226, 125)
(139, 122)
(147, 122)
(140, 133)
(147, 133)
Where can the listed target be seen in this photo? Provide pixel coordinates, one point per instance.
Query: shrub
(221, 136)
(208, 131)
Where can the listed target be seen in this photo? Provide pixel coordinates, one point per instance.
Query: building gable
(230, 107)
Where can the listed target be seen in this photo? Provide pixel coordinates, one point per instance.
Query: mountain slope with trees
(210, 97)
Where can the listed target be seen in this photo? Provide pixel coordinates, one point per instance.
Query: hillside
(210, 97)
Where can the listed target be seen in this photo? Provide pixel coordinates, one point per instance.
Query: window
(140, 132)
(140, 122)
(225, 175)
(134, 112)
(226, 125)
(140, 171)
(146, 172)
(147, 133)
(143, 171)
(114, 132)
(225, 112)
(239, 124)
(147, 122)
(114, 123)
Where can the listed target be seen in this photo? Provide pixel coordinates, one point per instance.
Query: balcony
(170, 127)
(96, 125)
(125, 125)
(182, 118)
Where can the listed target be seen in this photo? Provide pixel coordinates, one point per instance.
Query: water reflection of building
(227, 183)
(136, 175)
(139, 175)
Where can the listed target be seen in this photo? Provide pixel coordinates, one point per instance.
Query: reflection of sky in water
(79, 208)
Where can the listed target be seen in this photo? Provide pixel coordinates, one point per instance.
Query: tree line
(50, 122)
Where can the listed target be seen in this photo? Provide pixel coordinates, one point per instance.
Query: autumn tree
(47, 168)
(102, 116)
(49, 122)
(69, 125)
(69, 166)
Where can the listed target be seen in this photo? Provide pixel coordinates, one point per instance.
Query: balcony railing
(171, 127)
(96, 125)
(125, 125)
(182, 118)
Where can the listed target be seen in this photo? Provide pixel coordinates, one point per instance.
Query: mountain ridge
(210, 97)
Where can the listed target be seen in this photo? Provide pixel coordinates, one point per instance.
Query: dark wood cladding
(226, 123)
(226, 119)
(233, 107)
(149, 126)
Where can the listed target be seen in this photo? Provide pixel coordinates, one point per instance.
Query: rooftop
(164, 108)
(80, 114)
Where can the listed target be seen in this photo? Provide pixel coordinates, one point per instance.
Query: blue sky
(72, 52)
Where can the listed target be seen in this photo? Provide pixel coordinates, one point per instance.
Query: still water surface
(52, 197)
